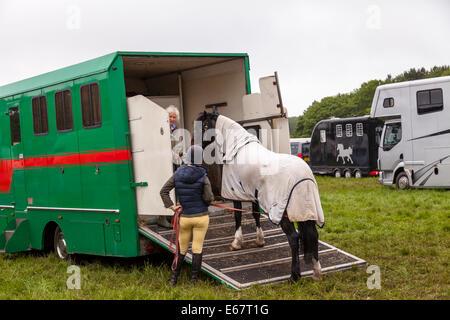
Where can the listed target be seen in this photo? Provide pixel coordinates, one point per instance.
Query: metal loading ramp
(251, 265)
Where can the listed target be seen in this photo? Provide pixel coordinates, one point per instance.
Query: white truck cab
(415, 143)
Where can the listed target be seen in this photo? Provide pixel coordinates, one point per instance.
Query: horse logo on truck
(344, 153)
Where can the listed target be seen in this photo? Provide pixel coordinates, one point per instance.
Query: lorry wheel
(358, 174)
(337, 174)
(60, 245)
(402, 181)
(347, 174)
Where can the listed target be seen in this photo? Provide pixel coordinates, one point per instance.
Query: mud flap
(2, 240)
(20, 239)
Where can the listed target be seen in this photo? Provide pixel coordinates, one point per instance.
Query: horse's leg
(310, 239)
(238, 237)
(259, 232)
(293, 239)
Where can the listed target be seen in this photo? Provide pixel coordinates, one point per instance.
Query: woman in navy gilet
(194, 193)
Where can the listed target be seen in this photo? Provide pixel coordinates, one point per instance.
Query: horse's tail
(304, 203)
(304, 207)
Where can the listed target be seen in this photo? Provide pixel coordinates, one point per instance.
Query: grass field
(405, 233)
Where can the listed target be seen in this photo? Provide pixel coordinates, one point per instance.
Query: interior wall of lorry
(166, 85)
(135, 86)
(218, 83)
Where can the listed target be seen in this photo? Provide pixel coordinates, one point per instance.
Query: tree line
(356, 103)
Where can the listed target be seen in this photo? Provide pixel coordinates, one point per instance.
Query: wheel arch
(335, 170)
(48, 235)
(397, 171)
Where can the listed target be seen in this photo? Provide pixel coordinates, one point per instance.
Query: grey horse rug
(279, 182)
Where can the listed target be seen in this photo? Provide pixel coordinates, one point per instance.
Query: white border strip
(75, 209)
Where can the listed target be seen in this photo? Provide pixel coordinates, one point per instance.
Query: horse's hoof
(259, 237)
(236, 244)
(317, 277)
(232, 248)
(293, 279)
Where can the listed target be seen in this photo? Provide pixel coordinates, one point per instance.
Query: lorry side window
(323, 136)
(359, 129)
(429, 101)
(338, 130)
(392, 135)
(63, 110)
(14, 122)
(90, 105)
(349, 130)
(40, 116)
(388, 102)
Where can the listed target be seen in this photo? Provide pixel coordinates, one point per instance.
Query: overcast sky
(319, 48)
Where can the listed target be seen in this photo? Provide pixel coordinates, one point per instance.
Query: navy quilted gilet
(189, 182)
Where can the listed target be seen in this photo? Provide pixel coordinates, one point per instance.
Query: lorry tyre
(358, 174)
(347, 174)
(60, 245)
(337, 174)
(402, 181)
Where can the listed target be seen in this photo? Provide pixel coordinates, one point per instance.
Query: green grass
(405, 233)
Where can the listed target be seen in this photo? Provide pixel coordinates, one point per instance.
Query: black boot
(196, 266)
(176, 272)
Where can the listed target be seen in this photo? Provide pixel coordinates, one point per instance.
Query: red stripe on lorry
(7, 167)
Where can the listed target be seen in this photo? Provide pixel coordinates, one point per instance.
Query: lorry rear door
(151, 153)
(266, 110)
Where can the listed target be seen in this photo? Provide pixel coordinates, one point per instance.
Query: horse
(215, 176)
(282, 185)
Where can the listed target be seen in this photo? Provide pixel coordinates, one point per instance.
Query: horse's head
(208, 121)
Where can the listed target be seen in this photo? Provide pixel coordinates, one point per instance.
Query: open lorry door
(265, 111)
(151, 153)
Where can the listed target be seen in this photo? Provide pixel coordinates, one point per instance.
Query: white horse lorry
(415, 144)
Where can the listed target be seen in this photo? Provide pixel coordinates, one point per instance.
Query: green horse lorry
(80, 163)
